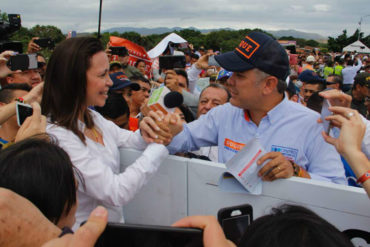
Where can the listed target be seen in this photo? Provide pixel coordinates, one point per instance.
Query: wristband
(20, 99)
(65, 230)
(364, 177)
(296, 169)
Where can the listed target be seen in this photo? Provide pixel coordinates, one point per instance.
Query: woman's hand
(213, 236)
(160, 128)
(33, 125)
(351, 133)
(35, 95)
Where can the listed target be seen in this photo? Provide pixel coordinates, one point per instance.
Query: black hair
(188, 115)
(137, 77)
(6, 92)
(39, 170)
(183, 74)
(350, 63)
(139, 61)
(114, 107)
(321, 83)
(292, 225)
(66, 83)
(337, 79)
(315, 101)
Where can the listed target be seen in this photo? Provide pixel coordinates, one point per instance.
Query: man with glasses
(334, 82)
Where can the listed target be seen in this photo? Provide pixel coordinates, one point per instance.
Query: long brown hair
(64, 96)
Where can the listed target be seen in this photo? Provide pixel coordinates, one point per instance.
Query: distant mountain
(297, 34)
(160, 30)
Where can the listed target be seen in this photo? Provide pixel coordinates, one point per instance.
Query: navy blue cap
(309, 76)
(257, 50)
(121, 81)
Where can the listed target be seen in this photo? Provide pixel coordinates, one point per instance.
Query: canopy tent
(162, 45)
(358, 47)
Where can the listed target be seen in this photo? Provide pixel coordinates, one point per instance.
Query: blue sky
(323, 17)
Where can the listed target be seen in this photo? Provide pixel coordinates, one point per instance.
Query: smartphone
(325, 113)
(130, 235)
(119, 50)
(235, 220)
(172, 62)
(23, 112)
(23, 62)
(45, 42)
(11, 46)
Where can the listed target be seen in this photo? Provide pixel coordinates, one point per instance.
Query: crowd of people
(87, 104)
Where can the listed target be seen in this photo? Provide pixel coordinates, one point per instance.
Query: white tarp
(161, 46)
(357, 46)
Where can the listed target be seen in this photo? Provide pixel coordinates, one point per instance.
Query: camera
(7, 28)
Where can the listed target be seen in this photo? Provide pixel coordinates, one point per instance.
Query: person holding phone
(77, 77)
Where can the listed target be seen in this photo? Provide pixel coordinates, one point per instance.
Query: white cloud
(321, 7)
(320, 16)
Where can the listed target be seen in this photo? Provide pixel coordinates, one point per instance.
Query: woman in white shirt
(77, 77)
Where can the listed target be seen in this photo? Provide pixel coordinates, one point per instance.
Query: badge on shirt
(289, 153)
(232, 145)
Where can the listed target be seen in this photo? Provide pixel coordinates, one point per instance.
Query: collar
(274, 114)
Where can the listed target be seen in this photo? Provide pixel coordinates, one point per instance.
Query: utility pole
(100, 7)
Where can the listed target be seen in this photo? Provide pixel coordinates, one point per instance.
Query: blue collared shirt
(289, 128)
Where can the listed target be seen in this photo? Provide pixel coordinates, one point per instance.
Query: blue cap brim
(232, 62)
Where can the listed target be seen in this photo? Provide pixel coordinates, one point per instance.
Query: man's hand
(202, 62)
(337, 97)
(32, 46)
(159, 128)
(86, 235)
(153, 129)
(21, 223)
(171, 81)
(4, 57)
(213, 236)
(277, 167)
(35, 95)
(33, 125)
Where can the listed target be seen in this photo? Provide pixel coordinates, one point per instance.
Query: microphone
(173, 99)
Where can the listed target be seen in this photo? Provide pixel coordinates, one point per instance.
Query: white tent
(161, 46)
(357, 46)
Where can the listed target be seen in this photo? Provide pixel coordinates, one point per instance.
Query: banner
(135, 51)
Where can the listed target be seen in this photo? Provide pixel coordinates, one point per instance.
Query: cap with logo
(121, 81)
(257, 50)
(363, 79)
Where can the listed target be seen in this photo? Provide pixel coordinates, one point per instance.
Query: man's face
(138, 97)
(364, 91)
(245, 89)
(211, 97)
(330, 85)
(182, 82)
(124, 60)
(32, 77)
(309, 89)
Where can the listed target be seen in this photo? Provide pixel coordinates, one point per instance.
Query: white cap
(310, 58)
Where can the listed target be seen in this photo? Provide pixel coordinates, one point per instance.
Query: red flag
(135, 51)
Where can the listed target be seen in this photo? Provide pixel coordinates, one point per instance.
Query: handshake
(158, 127)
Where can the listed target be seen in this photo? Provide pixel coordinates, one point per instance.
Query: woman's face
(98, 80)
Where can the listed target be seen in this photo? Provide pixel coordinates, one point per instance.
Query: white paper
(242, 170)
